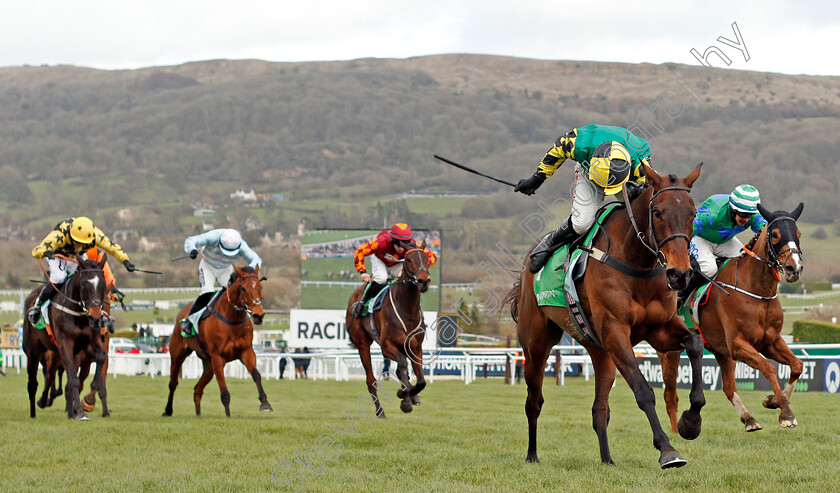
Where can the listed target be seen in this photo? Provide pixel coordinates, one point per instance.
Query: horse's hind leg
(59, 390)
(780, 352)
(198, 392)
(364, 355)
(178, 352)
(249, 359)
(727, 378)
(219, 371)
(32, 384)
(604, 379)
(49, 381)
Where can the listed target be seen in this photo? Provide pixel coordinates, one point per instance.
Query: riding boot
(34, 313)
(372, 290)
(550, 243)
(697, 280)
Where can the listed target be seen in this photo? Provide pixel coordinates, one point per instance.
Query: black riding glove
(129, 266)
(635, 189)
(49, 254)
(193, 253)
(118, 295)
(529, 185)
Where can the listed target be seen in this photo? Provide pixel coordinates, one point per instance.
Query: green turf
(463, 438)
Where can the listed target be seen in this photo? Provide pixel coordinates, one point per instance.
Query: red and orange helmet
(401, 231)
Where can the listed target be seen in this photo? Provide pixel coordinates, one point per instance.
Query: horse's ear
(257, 271)
(796, 212)
(766, 214)
(692, 177)
(422, 245)
(652, 176)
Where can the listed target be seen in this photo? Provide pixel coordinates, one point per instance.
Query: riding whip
(470, 170)
(182, 257)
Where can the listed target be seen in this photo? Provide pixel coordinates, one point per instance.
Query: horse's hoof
(42, 403)
(415, 401)
(608, 462)
(406, 407)
(770, 402)
(689, 425)
(106, 414)
(671, 459)
(87, 406)
(401, 394)
(752, 425)
(788, 422)
(381, 415)
(532, 458)
(266, 407)
(82, 417)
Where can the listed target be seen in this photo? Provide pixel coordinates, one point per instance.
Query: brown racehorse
(400, 326)
(75, 315)
(224, 336)
(746, 323)
(624, 310)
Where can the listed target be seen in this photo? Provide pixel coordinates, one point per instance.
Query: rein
(412, 279)
(62, 291)
(657, 251)
(412, 276)
(244, 308)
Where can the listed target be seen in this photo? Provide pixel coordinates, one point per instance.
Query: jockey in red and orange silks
(385, 252)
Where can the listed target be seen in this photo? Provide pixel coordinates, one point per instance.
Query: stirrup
(34, 315)
(358, 309)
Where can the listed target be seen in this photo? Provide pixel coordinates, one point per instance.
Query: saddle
(198, 312)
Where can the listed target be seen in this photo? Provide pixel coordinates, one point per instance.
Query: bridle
(773, 259)
(412, 276)
(247, 306)
(656, 249)
(85, 309)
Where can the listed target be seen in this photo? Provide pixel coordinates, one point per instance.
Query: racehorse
(745, 322)
(75, 317)
(224, 336)
(624, 309)
(400, 326)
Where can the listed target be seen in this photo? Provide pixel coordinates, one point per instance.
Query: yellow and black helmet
(81, 230)
(610, 166)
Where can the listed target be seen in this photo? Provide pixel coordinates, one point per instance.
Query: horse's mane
(751, 243)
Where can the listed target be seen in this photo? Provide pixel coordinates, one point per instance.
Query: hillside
(339, 139)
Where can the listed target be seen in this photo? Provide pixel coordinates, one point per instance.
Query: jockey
(71, 237)
(384, 251)
(606, 157)
(718, 220)
(219, 249)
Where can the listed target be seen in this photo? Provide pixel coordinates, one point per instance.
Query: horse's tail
(513, 298)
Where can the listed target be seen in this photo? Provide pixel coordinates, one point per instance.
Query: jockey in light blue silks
(220, 249)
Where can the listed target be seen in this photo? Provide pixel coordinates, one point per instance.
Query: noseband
(656, 249)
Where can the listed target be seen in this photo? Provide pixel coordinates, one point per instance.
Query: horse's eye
(657, 214)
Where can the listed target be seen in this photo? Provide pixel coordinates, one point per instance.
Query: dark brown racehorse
(224, 336)
(400, 327)
(623, 310)
(746, 324)
(75, 315)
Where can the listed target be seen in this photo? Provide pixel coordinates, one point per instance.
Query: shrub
(812, 286)
(819, 234)
(791, 288)
(126, 333)
(816, 332)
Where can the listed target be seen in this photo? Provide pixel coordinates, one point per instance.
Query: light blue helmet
(230, 242)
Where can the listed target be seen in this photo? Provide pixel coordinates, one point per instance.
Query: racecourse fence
(466, 364)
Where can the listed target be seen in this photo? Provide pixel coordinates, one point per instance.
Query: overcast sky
(787, 36)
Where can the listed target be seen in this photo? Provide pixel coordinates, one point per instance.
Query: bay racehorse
(745, 322)
(225, 335)
(400, 328)
(624, 309)
(75, 318)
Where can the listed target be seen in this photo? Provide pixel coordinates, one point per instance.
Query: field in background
(462, 438)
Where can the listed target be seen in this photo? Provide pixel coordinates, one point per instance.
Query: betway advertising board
(818, 375)
(327, 329)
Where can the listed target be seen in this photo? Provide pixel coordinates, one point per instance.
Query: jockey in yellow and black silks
(606, 157)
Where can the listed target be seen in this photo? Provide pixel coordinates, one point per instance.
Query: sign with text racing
(327, 329)
(816, 374)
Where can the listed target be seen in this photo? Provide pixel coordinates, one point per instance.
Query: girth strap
(623, 267)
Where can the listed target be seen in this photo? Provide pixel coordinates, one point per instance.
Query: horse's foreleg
(32, 384)
(89, 400)
(670, 365)
(74, 407)
(249, 359)
(743, 351)
(198, 392)
(780, 352)
(219, 372)
(625, 360)
(414, 350)
(727, 378)
(690, 422)
(98, 382)
(604, 379)
(405, 386)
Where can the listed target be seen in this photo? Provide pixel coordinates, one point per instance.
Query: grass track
(463, 438)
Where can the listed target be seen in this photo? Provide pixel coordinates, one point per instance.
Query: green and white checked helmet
(745, 198)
